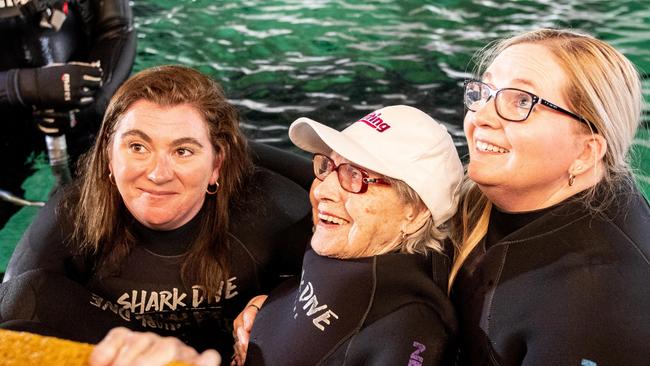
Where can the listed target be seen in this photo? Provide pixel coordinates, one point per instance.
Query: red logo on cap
(374, 120)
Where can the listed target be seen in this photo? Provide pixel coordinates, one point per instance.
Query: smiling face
(162, 161)
(350, 225)
(523, 166)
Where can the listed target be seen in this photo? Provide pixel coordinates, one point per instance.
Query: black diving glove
(55, 123)
(60, 86)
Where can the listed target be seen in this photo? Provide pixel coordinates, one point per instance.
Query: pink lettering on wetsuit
(416, 358)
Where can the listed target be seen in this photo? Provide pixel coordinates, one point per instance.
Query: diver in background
(61, 62)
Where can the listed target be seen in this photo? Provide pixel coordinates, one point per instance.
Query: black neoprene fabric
(382, 310)
(52, 291)
(562, 286)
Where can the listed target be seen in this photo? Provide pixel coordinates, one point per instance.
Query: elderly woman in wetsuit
(373, 284)
(170, 228)
(554, 266)
(373, 288)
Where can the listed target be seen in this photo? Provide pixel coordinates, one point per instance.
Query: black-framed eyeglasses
(352, 178)
(511, 104)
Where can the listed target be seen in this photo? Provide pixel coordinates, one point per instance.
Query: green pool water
(335, 60)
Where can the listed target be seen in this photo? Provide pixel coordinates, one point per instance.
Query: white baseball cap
(400, 142)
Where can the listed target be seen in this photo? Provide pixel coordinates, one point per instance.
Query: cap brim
(316, 137)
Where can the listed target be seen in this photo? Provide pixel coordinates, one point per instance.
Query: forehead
(526, 65)
(182, 119)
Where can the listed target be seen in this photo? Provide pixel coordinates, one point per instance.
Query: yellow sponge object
(22, 349)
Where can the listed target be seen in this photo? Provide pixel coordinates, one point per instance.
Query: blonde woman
(556, 238)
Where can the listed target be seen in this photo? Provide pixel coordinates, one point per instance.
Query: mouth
(329, 219)
(490, 148)
(154, 193)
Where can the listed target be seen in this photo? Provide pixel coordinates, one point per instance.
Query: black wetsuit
(51, 291)
(97, 30)
(389, 309)
(560, 286)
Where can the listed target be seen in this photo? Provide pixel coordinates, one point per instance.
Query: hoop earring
(212, 191)
(572, 179)
(110, 178)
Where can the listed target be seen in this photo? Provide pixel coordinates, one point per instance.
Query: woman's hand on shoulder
(242, 327)
(122, 346)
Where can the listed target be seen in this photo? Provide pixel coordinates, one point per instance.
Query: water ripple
(264, 107)
(284, 58)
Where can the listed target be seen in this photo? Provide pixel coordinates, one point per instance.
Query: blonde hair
(603, 87)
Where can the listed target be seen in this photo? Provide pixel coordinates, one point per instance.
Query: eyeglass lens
(511, 104)
(322, 166)
(350, 177)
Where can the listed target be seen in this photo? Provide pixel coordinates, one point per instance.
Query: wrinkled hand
(57, 86)
(122, 346)
(54, 123)
(242, 327)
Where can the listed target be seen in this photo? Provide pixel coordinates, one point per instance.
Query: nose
(486, 115)
(329, 189)
(162, 170)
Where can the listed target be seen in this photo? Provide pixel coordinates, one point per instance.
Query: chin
(158, 222)
(474, 174)
(321, 250)
(157, 225)
(327, 250)
(481, 175)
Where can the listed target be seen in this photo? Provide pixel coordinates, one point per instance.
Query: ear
(592, 150)
(216, 171)
(415, 219)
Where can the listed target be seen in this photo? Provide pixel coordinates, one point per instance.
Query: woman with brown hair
(169, 228)
(373, 284)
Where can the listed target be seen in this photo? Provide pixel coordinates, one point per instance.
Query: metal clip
(52, 18)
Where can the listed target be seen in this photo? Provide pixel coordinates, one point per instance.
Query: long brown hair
(604, 87)
(103, 225)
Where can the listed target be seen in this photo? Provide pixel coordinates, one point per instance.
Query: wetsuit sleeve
(272, 224)
(51, 304)
(43, 290)
(290, 226)
(293, 166)
(291, 244)
(290, 203)
(601, 319)
(43, 245)
(413, 335)
(113, 43)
